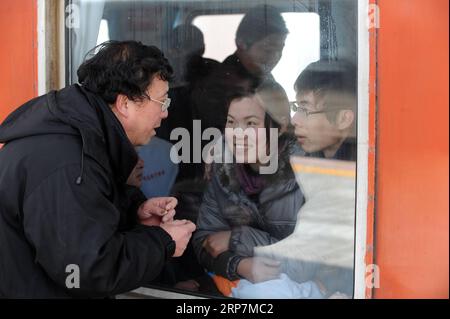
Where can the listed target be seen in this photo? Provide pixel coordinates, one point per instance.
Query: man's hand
(217, 243)
(258, 269)
(157, 210)
(180, 231)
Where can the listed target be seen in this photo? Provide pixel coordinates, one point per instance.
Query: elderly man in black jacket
(65, 208)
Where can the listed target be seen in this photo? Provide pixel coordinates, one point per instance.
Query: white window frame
(362, 171)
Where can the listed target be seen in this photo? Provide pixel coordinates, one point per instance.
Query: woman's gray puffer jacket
(226, 207)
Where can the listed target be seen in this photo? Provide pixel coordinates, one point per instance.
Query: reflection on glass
(237, 64)
(321, 248)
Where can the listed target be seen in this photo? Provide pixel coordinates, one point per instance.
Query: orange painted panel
(18, 54)
(369, 258)
(411, 218)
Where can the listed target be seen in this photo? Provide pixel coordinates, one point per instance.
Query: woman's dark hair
(240, 92)
(123, 67)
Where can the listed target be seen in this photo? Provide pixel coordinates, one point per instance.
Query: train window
(260, 143)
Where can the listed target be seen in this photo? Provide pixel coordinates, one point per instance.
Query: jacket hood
(75, 111)
(32, 118)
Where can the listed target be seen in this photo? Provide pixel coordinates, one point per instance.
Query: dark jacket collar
(104, 138)
(121, 152)
(346, 152)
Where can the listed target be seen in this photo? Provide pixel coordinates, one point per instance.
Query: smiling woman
(230, 222)
(246, 114)
(252, 116)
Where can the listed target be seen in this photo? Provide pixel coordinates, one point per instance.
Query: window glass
(259, 146)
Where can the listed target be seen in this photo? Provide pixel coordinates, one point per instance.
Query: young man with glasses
(322, 245)
(69, 223)
(325, 110)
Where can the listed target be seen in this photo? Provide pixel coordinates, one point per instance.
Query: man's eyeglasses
(295, 107)
(164, 105)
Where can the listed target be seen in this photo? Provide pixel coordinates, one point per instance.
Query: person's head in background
(325, 106)
(260, 39)
(258, 110)
(132, 79)
(186, 43)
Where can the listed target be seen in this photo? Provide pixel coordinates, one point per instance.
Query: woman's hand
(157, 210)
(217, 243)
(259, 269)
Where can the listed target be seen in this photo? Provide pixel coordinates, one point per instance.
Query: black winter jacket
(63, 202)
